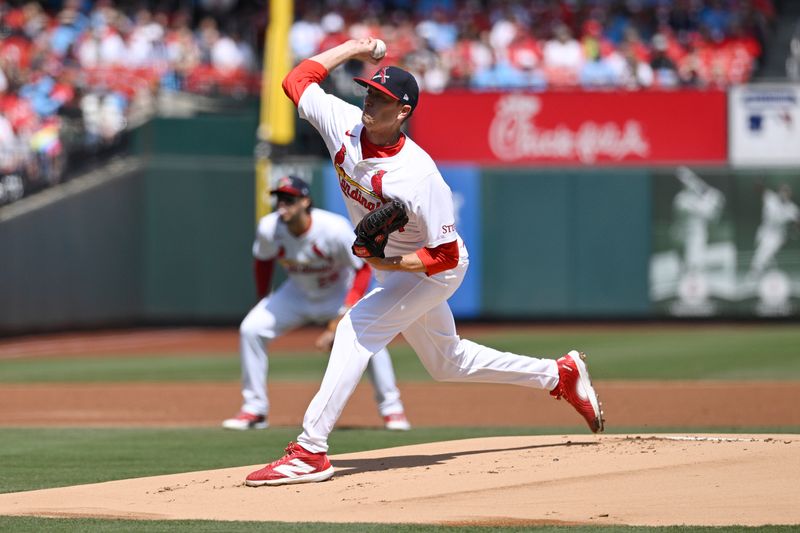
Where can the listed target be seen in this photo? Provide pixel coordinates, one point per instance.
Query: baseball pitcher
(324, 280)
(407, 233)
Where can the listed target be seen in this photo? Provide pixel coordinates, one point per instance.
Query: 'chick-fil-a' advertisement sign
(574, 128)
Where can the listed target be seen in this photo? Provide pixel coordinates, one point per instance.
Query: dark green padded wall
(565, 243)
(74, 261)
(206, 135)
(199, 224)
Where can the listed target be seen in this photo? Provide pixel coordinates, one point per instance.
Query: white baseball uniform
(413, 304)
(320, 269)
(776, 214)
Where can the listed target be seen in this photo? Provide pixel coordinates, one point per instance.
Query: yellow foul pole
(276, 120)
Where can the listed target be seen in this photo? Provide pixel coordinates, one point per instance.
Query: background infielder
(426, 262)
(324, 278)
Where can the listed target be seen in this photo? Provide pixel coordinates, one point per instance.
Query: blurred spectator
(71, 23)
(76, 75)
(715, 18)
(226, 56)
(524, 51)
(333, 26)
(593, 43)
(182, 51)
(633, 73)
(502, 33)
(439, 31)
(683, 18)
(793, 61)
(471, 53)
(306, 34)
(563, 57)
(500, 74)
(145, 43)
(101, 46)
(366, 25)
(428, 69)
(103, 116)
(632, 43)
(617, 20)
(3, 80)
(9, 148)
(664, 70)
(399, 30)
(693, 68)
(596, 71)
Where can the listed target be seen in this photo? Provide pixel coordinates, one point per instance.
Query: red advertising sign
(574, 128)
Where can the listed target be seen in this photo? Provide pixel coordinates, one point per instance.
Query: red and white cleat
(244, 421)
(396, 422)
(297, 466)
(575, 386)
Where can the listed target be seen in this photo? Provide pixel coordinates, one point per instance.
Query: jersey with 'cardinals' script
(319, 261)
(410, 176)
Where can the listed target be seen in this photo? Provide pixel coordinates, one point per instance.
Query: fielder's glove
(372, 233)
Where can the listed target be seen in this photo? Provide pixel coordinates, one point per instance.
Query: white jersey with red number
(410, 176)
(320, 261)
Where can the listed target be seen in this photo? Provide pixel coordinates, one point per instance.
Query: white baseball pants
(285, 309)
(416, 306)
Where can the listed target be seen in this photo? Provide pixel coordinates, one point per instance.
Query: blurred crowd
(74, 76)
(793, 59)
(550, 44)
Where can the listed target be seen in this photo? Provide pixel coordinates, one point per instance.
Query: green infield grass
(738, 352)
(36, 458)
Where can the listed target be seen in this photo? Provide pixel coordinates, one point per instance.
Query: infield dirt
(644, 404)
(635, 480)
(557, 479)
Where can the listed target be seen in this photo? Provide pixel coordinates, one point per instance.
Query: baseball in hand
(380, 49)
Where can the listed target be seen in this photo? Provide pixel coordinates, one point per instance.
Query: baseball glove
(372, 233)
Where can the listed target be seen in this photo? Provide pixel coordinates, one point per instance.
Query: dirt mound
(635, 480)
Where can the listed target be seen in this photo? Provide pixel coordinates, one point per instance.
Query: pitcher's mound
(612, 479)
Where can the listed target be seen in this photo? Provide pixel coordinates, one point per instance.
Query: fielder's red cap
(291, 185)
(396, 82)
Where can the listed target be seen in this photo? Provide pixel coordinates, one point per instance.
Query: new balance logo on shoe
(297, 466)
(294, 468)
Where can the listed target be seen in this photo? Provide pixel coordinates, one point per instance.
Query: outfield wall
(164, 237)
(74, 258)
(168, 241)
